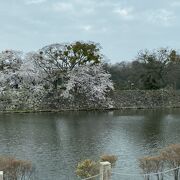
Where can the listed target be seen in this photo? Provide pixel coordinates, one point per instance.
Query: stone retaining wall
(146, 99)
(123, 99)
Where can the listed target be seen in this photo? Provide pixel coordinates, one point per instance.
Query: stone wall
(146, 99)
(123, 99)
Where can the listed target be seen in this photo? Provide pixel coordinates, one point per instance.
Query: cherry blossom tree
(57, 59)
(90, 82)
(21, 84)
(10, 63)
(70, 72)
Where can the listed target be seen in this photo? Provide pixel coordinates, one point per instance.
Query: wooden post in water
(1, 175)
(105, 170)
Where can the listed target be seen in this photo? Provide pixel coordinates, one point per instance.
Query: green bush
(87, 168)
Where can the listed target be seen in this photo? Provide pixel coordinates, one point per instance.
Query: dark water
(55, 142)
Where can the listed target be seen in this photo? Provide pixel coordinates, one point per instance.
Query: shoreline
(86, 110)
(121, 99)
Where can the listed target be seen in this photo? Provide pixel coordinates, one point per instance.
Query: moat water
(56, 142)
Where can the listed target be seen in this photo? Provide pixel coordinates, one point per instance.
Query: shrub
(110, 158)
(152, 164)
(87, 168)
(171, 156)
(14, 169)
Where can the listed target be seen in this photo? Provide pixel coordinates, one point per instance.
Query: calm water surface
(55, 142)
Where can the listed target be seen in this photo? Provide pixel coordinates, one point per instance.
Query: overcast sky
(122, 27)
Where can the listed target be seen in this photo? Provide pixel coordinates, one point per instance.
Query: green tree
(120, 74)
(155, 67)
(57, 59)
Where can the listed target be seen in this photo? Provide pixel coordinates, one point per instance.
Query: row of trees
(155, 69)
(78, 71)
(69, 71)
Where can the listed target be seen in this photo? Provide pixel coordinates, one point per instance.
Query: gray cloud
(122, 27)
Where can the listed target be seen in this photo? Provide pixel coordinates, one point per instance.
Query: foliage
(10, 59)
(91, 82)
(154, 64)
(21, 86)
(27, 80)
(10, 63)
(87, 168)
(14, 169)
(57, 59)
(110, 158)
(155, 69)
(152, 164)
(120, 74)
(171, 155)
(75, 73)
